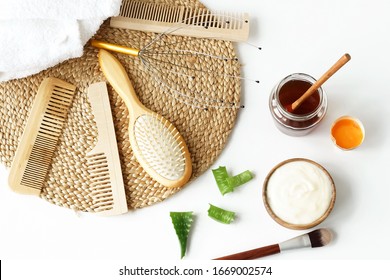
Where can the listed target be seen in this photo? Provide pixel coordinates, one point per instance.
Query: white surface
(296, 36)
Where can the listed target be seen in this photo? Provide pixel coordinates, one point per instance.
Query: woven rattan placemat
(205, 131)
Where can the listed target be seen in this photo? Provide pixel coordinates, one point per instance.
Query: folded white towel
(38, 34)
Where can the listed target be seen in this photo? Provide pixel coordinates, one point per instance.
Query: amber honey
(306, 117)
(294, 89)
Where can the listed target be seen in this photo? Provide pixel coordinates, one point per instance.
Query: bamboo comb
(316, 238)
(156, 143)
(39, 140)
(104, 166)
(180, 20)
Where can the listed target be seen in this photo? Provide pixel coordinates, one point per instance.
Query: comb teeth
(38, 163)
(48, 134)
(104, 168)
(181, 20)
(151, 11)
(99, 174)
(160, 146)
(39, 140)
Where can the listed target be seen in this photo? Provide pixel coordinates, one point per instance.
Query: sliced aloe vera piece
(239, 179)
(182, 223)
(221, 215)
(220, 176)
(228, 183)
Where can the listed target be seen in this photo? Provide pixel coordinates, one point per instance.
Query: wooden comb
(104, 166)
(39, 140)
(180, 20)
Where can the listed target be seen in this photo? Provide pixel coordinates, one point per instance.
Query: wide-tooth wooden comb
(180, 20)
(39, 140)
(104, 166)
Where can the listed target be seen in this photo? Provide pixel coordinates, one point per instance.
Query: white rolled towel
(38, 34)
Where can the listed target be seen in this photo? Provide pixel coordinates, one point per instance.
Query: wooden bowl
(299, 226)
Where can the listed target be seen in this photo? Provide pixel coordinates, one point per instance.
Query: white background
(296, 36)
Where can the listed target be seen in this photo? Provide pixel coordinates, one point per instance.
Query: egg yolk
(347, 133)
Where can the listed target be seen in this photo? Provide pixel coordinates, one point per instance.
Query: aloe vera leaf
(240, 179)
(182, 222)
(221, 215)
(220, 176)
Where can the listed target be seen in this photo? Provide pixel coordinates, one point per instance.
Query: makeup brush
(313, 239)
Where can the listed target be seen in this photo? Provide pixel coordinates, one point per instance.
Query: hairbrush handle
(253, 254)
(117, 76)
(114, 47)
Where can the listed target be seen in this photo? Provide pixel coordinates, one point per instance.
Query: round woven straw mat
(205, 131)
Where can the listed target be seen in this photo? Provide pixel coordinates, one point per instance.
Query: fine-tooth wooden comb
(39, 140)
(104, 166)
(180, 20)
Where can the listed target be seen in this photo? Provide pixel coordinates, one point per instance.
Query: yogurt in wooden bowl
(299, 193)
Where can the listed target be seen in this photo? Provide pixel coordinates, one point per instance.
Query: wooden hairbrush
(156, 143)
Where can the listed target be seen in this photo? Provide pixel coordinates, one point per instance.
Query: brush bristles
(320, 237)
(160, 145)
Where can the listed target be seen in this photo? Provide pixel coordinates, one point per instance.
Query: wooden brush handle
(117, 76)
(253, 254)
(339, 63)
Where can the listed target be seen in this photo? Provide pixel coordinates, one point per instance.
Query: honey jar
(307, 116)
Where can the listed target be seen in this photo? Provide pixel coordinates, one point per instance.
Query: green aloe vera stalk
(239, 179)
(182, 223)
(220, 176)
(221, 215)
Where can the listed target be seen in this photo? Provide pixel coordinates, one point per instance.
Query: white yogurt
(299, 192)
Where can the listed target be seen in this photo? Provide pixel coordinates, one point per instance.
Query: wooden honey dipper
(339, 63)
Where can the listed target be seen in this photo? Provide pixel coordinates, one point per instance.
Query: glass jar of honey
(304, 118)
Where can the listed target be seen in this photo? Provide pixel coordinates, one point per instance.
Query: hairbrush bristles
(320, 237)
(160, 146)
